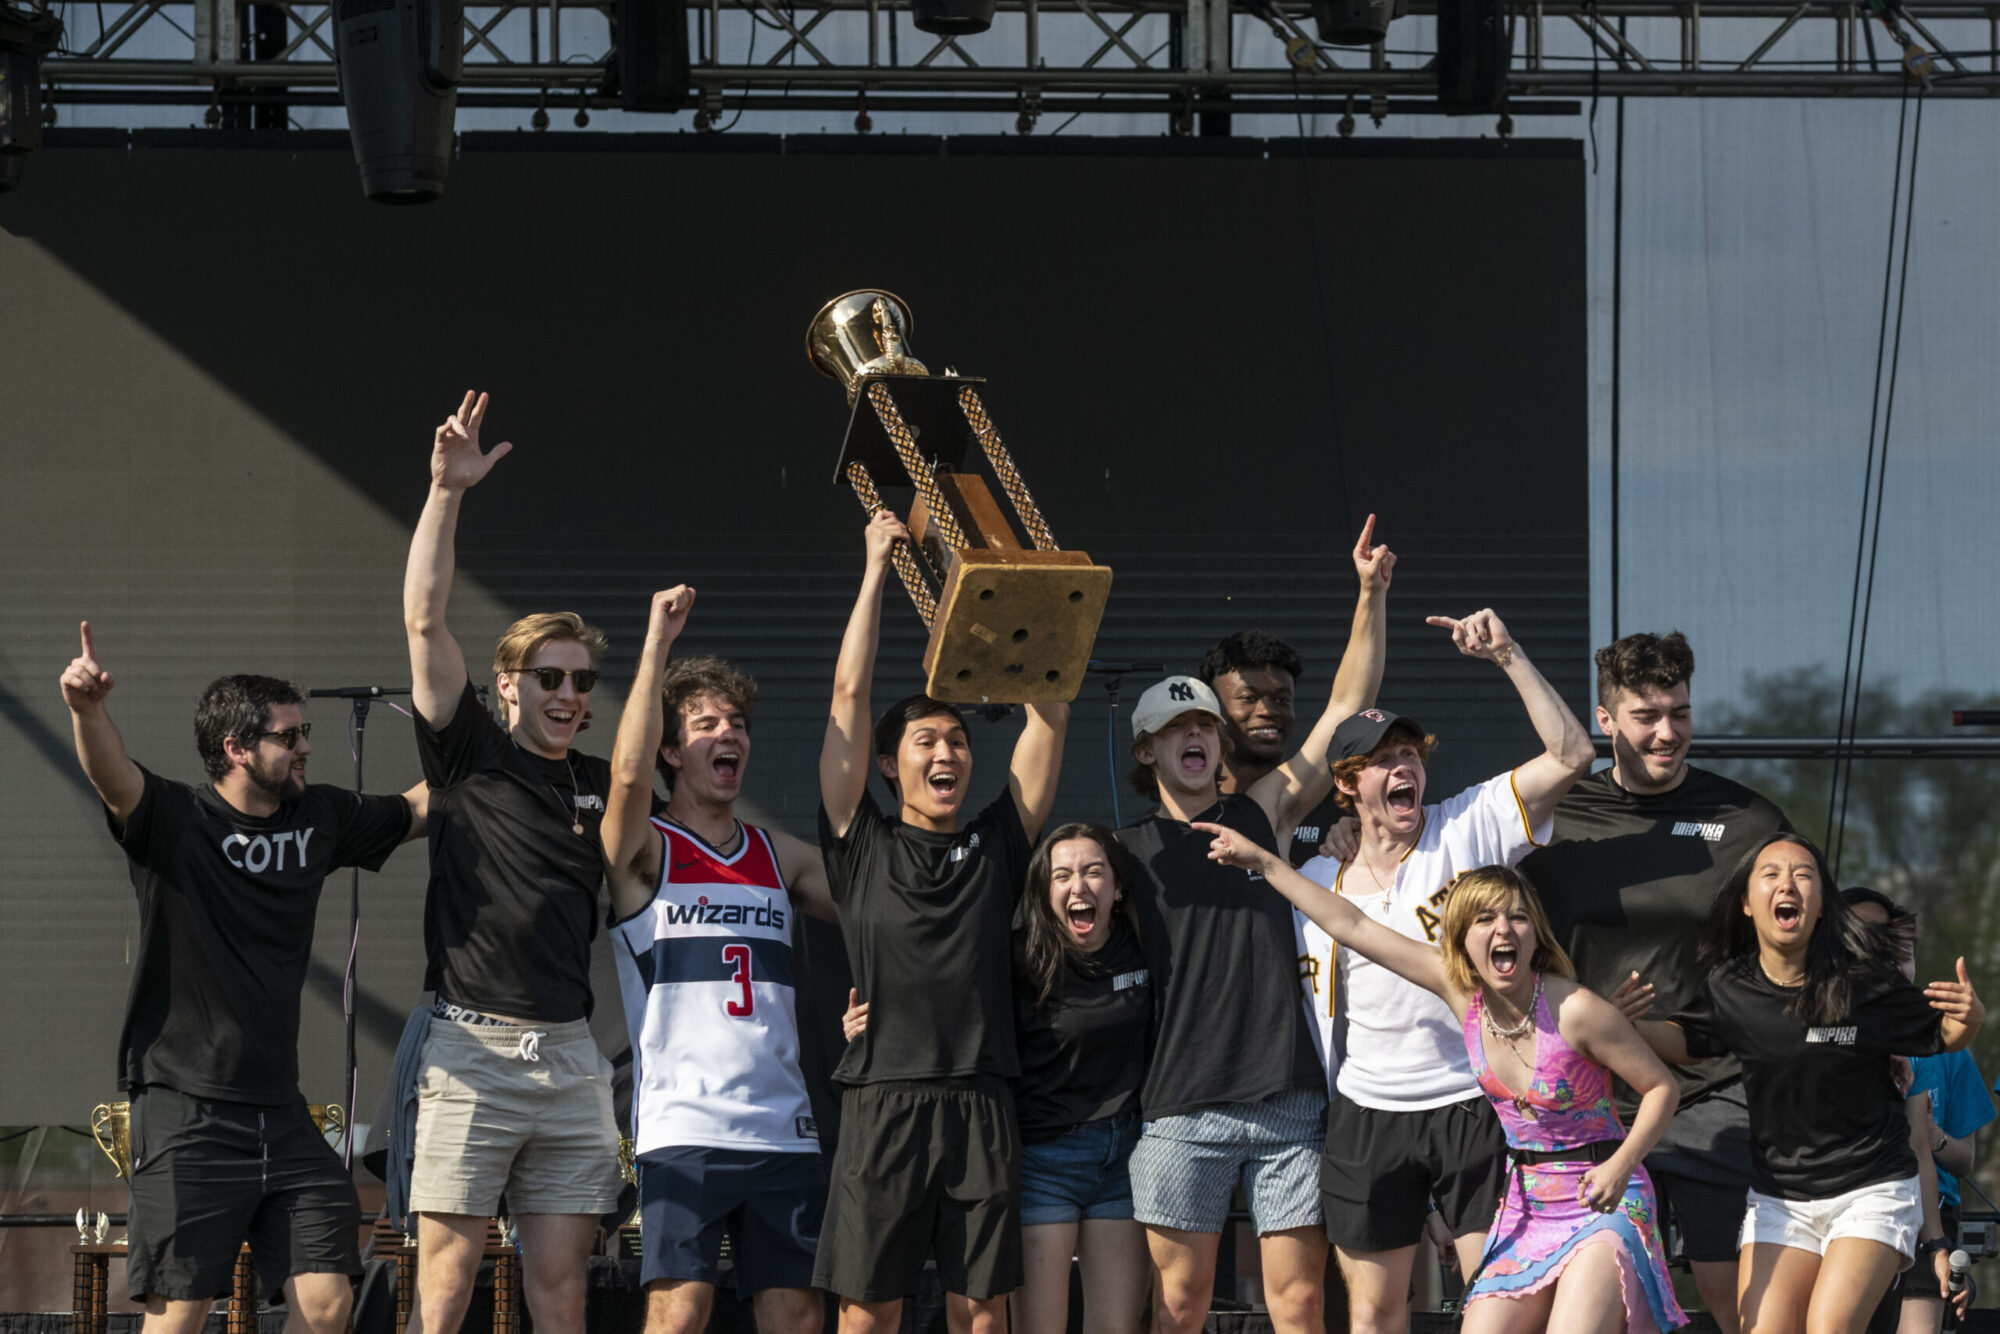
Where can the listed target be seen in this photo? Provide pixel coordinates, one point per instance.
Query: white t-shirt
(1397, 1046)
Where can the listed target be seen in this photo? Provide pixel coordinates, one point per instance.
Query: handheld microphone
(1955, 1281)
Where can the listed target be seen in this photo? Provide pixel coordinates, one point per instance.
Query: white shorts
(1889, 1212)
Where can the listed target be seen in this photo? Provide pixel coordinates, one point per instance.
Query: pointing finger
(1365, 545)
(1442, 622)
(89, 649)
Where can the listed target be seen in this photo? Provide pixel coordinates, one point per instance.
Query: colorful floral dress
(1541, 1222)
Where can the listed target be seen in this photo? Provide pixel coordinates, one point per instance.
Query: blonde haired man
(513, 1095)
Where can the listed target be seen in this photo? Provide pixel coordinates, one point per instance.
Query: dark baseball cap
(1361, 732)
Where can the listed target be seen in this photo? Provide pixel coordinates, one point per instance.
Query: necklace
(1508, 1034)
(576, 790)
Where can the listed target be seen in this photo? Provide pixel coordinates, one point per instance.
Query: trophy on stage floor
(1008, 624)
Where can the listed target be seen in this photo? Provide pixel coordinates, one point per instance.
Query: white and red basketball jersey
(706, 972)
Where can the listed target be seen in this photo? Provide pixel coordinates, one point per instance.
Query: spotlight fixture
(1356, 22)
(26, 35)
(399, 63)
(952, 18)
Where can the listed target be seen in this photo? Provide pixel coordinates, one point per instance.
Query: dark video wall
(220, 372)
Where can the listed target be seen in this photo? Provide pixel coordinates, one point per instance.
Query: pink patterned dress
(1541, 1223)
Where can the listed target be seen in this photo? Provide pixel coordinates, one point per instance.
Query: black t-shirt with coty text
(515, 890)
(928, 921)
(1224, 959)
(1825, 1114)
(227, 905)
(1628, 881)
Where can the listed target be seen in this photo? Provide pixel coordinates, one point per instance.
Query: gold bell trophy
(1009, 624)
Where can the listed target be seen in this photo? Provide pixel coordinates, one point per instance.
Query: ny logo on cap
(1180, 690)
(1375, 715)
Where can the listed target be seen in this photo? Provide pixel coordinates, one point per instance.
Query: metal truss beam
(1165, 53)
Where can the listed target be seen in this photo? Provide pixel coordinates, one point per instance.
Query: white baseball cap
(1169, 699)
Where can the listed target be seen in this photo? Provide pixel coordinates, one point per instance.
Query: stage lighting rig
(399, 63)
(1356, 22)
(26, 35)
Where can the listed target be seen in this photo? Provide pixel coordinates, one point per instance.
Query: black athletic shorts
(923, 1168)
(1382, 1170)
(1701, 1172)
(769, 1203)
(208, 1176)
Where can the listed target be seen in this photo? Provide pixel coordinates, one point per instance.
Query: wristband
(1931, 1247)
(1504, 655)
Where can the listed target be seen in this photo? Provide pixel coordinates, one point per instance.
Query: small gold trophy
(1009, 624)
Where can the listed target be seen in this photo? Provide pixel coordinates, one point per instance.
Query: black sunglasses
(551, 678)
(289, 738)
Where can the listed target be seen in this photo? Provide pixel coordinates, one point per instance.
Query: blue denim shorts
(1080, 1174)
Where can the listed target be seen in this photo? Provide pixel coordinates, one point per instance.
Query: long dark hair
(1841, 952)
(1049, 945)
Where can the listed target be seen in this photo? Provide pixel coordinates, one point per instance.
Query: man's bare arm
(805, 875)
(99, 747)
(847, 753)
(419, 799)
(1037, 764)
(1302, 782)
(437, 664)
(631, 844)
(1567, 752)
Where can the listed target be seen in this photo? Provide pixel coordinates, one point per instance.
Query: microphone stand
(359, 698)
(1114, 674)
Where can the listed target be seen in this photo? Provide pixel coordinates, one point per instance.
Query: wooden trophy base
(1015, 626)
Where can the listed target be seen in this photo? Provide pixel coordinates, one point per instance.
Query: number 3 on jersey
(738, 957)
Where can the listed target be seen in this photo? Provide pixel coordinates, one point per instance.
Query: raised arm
(1594, 1027)
(99, 747)
(805, 876)
(846, 755)
(1037, 763)
(1409, 959)
(1567, 753)
(631, 844)
(1302, 782)
(1963, 1011)
(437, 665)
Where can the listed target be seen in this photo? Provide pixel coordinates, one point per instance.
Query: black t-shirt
(1825, 1114)
(1225, 963)
(1313, 828)
(1628, 882)
(514, 894)
(928, 920)
(227, 903)
(1084, 1050)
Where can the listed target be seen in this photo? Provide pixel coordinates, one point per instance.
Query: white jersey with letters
(1398, 1047)
(706, 973)
(1316, 965)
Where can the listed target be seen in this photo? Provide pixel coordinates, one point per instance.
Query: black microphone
(357, 692)
(1961, 1269)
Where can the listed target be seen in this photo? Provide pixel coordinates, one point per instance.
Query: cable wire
(1862, 599)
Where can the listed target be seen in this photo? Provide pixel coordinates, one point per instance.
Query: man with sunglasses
(228, 876)
(513, 1095)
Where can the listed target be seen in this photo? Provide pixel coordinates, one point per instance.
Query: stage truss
(1186, 57)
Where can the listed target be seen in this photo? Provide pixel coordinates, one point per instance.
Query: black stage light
(651, 62)
(26, 35)
(1356, 22)
(399, 63)
(1474, 51)
(952, 18)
